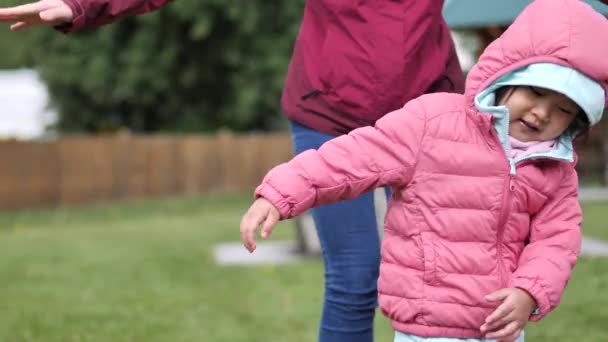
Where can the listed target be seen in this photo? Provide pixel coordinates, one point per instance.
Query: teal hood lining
(584, 91)
(589, 96)
(485, 103)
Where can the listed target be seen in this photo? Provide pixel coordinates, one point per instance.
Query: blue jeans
(350, 245)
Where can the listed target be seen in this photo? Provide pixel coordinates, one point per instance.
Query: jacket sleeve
(89, 13)
(349, 165)
(546, 263)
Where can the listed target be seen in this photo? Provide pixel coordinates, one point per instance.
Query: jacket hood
(558, 32)
(585, 92)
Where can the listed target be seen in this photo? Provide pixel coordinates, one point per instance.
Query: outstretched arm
(49, 12)
(343, 168)
(72, 15)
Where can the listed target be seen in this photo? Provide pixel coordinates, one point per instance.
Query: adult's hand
(43, 12)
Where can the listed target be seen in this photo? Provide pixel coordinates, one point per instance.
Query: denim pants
(350, 246)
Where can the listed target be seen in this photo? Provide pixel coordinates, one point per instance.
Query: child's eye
(567, 111)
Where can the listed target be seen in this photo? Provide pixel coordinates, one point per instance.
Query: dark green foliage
(194, 65)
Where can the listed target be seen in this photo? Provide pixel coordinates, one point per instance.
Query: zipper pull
(511, 185)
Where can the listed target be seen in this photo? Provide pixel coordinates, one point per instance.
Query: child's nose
(542, 111)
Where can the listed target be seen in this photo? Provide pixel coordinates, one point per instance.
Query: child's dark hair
(580, 127)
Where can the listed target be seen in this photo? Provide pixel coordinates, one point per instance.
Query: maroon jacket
(353, 61)
(89, 13)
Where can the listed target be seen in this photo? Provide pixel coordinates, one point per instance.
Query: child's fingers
(261, 211)
(508, 330)
(500, 313)
(271, 220)
(496, 324)
(249, 224)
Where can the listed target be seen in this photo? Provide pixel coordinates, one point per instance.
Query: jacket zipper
(502, 220)
(506, 203)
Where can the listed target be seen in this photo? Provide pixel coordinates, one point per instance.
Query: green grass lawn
(145, 272)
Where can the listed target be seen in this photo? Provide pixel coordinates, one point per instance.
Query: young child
(483, 227)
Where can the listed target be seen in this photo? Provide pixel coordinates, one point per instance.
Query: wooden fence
(82, 169)
(78, 170)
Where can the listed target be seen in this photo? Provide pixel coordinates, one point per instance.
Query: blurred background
(129, 153)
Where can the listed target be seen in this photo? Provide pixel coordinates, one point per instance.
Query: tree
(194, 65)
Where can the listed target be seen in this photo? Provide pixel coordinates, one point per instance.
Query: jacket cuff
(539, 294)
(78, 20)
(271, 194)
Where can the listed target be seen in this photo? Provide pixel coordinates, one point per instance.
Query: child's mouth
(529, 126)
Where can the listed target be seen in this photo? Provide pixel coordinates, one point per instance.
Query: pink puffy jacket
(459, 225)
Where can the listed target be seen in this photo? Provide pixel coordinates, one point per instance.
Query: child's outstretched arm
(346, 166)
(547, 261)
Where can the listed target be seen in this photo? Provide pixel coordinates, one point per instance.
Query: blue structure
(480, 13)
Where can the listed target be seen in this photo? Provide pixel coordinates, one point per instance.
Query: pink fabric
(459, 226)
(520, 149)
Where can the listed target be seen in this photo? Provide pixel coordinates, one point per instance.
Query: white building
(24, 111)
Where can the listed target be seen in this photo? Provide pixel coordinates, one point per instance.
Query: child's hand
(510, 318)
(261, 211)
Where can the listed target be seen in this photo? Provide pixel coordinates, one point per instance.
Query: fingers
(498, 318)
(249, 224)
(57, 15)
(271, 220)
(509, 330)
(261, 211)
(20, 25)
(14, 13)
(42, 12)
(496, 324)
(498, 315)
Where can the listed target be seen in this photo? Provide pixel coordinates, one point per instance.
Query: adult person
(353, 62)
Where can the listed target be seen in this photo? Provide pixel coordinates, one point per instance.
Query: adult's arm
(88, 13)
(73, 15)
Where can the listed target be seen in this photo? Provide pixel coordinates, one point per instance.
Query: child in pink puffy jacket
(483, 226)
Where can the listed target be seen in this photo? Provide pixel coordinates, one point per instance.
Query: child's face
(538, 114)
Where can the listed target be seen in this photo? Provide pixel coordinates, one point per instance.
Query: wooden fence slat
(82, 169)
(29, 175)
(85, 169)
